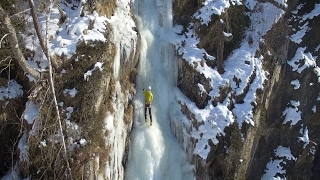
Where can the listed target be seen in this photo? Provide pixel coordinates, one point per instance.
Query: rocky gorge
(283, 77)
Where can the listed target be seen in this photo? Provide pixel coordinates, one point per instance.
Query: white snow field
(154, 151)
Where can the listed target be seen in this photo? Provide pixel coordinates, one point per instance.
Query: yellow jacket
(148, 97)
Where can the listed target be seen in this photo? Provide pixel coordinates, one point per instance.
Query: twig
(3, 38)
(20, 12)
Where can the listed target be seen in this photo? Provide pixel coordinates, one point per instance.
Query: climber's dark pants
(147, 106)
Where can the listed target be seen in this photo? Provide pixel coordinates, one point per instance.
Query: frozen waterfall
(154, 152)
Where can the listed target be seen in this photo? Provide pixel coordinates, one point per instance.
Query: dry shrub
(128, 115)
(46, 160)
(106, 7)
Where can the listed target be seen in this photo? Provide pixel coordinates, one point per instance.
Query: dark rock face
(188, 81)
(273, 132)
(259, 142)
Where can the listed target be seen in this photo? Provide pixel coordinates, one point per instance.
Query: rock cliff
(94, 88)
(282, 113)
(246, 150)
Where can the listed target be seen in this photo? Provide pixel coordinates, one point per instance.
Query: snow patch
(31, 112)
(23, 147)
(305, 136)
(297, 37)
(11, 91)
(87, 74)
(211, 7)
(292, 114)
(302, 60)
(71, 92)
(314, 13)
(295, 83)
(275, 168)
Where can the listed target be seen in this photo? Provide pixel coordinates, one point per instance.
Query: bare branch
(38, 31)
(6, 66)
(21, 12)
(3, 38)
(55, 98)
(14, 45)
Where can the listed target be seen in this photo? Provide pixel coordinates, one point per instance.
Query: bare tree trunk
(14, 45)
(40, 36)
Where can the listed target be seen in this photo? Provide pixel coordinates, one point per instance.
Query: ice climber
(148, 97)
